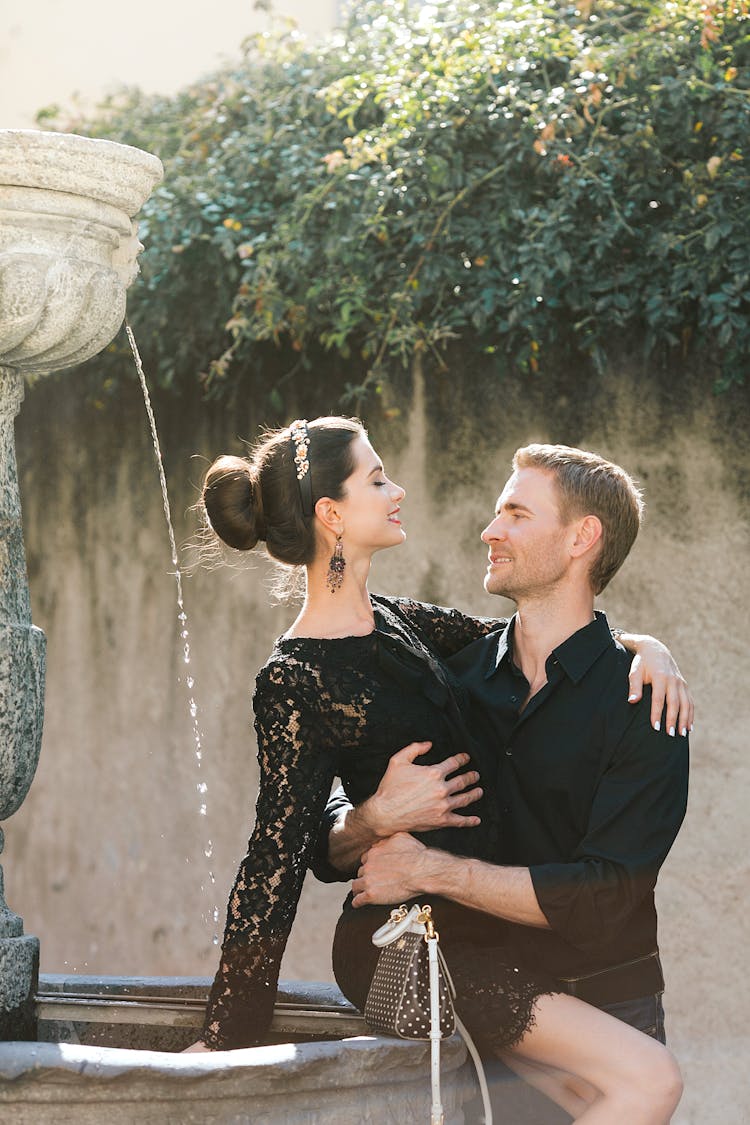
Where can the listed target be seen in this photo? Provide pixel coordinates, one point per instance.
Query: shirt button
(506, 810)
(514, 699)
(509, 752)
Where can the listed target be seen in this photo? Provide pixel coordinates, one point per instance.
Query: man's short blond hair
(589, 485)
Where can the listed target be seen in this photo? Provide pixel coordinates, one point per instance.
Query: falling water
(201, 786)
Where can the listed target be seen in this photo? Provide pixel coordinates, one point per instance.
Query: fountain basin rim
(113, 173)
(310, 1010)
(270, 1066)
(138, 1077)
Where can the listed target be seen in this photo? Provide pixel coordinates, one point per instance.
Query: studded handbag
(411, 994)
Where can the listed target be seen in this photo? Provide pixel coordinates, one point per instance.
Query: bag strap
(481, 1076)
(436, 1110)
(447, 974)
(401, 921)
(435, 961)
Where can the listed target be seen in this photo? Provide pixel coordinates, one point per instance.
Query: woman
(353, 680)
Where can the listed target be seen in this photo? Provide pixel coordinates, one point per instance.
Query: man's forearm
(505, 892)
(400, 868)
(351, 835)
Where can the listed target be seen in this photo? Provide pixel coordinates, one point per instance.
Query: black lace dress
(341, 708)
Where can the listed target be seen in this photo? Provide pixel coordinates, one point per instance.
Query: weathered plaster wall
(78, 52)
(105, 860)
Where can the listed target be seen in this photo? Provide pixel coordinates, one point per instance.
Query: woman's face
(371, 504)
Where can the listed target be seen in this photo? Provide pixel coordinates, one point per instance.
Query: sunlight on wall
(52, 52)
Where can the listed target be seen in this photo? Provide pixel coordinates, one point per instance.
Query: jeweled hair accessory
(301, 439)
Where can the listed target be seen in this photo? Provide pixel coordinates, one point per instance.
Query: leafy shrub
(534, 182)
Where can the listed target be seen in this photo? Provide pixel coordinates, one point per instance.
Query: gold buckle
(426, 919)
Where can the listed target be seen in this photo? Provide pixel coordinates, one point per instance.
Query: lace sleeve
(445, 630)
(296, 772)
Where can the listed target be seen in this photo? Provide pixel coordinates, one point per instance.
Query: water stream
(211, 917)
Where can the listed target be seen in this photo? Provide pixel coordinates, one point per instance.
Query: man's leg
(646, 1014)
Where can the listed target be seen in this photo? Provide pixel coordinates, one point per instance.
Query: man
(591, 792)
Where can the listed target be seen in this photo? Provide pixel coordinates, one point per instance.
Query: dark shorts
(646, 1014)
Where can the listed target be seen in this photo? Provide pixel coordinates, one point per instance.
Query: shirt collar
(503, 647)
(575, 655)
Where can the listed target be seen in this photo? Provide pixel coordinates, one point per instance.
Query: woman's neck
(346, 613)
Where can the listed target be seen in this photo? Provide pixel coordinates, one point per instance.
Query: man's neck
(544, 623)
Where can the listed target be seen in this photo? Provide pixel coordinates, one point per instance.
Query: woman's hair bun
(233, 503)
(259, 498)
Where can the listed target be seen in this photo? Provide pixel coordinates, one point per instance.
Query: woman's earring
(336, 567)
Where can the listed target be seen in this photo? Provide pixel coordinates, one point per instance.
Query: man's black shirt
(591, 797)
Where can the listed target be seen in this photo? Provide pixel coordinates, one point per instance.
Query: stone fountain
(68, 250)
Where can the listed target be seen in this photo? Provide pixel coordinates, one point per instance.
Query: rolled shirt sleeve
(636, 812)
(320, 865)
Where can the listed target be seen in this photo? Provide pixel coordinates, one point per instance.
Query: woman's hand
(654, 664)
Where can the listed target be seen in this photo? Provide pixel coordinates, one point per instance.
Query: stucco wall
(77, 52)
(105, 860)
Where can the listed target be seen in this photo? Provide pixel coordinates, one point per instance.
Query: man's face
(526, 539)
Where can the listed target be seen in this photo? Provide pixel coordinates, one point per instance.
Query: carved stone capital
(68, 245)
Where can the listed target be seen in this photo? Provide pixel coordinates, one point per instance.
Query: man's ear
(329, 515)
(588, 532)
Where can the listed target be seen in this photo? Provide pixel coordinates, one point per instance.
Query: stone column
(22, 648)
(68, 249)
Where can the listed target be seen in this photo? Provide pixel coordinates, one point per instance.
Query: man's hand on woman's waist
(410, 798)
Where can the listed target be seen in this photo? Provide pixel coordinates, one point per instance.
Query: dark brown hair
(589, 485)
(257, 498)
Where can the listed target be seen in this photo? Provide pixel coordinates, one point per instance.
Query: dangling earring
(336, 567)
